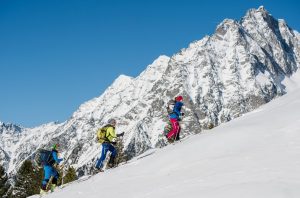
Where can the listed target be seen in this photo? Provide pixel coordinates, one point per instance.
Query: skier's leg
(55, 176)
(47, 175)
(113, 150)
(113, 155)
(178, 132)
(49, 184)
(174, 130)
(103, 155)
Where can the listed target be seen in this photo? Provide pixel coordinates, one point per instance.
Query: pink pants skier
(175, 129)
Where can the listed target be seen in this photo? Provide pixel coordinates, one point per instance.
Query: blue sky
(57, 54)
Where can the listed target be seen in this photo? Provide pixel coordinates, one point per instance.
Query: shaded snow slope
(256, 155)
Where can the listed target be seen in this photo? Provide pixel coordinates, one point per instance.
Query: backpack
(43, 157)
(170, 106)
(101, 134)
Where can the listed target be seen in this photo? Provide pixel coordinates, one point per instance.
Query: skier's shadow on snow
(146, 155)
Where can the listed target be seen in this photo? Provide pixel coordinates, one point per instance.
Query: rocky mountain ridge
(223, 76)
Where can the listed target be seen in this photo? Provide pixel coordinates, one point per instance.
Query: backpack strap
(51, 159)
(103, 135)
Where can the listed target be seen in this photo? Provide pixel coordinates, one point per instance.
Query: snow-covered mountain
(10, 135)
(18, 143)
(234, 71)
(253, 156)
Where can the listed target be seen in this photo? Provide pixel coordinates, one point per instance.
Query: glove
(57, 166)
(113, 143)
(121, 134)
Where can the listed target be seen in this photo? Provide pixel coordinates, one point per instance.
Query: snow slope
(256, 155)
(240, 67)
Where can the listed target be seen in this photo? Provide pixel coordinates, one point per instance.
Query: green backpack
(101, 134)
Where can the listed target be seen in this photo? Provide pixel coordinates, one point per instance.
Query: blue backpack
(44, 157)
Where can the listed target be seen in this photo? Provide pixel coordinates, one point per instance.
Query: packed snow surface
(254, 156)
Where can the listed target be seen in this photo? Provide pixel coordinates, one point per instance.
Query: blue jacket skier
(49, 169)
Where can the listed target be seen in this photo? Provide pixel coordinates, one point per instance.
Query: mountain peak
(122, 80)
(9, 127)
(163, 58)
(120, 83)
(123, 77)
(157, 63)
(258, 14)
(259, 20)
(225, 25)
(262, 9)
(153, 72)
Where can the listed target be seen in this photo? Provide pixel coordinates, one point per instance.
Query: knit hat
(179, 98)
(112, 122)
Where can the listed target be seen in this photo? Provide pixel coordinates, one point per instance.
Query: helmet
(112, 121)
(179, 98)
(55, 146)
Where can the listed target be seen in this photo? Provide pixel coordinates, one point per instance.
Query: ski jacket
(110, 134)
(176, 110)
(55, 157)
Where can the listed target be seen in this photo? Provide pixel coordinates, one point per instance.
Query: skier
(49, 171)
(174, 117)
(107, 137)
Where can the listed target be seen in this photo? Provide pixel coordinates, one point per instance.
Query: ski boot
(111, 163)
(96, 170)
(52, 187)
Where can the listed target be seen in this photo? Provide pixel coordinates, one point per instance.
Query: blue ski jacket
(176, 110)
(56, 159)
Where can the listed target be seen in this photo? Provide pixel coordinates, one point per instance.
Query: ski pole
(63, 176)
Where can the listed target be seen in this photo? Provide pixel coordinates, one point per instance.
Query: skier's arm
(111, 134)
(57, 160)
